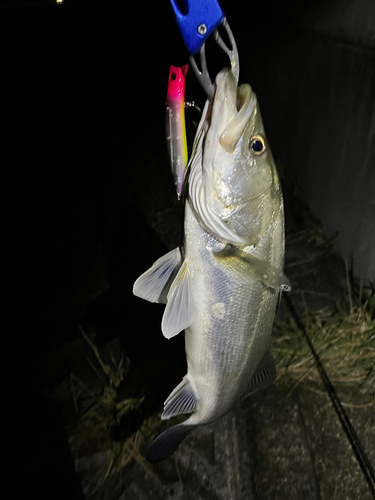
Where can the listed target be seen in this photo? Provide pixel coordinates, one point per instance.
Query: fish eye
(257, 145)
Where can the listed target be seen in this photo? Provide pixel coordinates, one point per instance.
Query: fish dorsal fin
(153, 284)
(181, 308)
(181, 400)
(259, 269)
(265, 374)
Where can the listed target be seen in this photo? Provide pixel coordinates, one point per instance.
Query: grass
(344, 341)
(343, 336)
(96, 417)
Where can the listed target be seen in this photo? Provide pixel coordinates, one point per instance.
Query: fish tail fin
(168, 442)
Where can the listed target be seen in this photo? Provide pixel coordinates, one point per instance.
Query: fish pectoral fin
(265, 374)
(181, 308)
(259, 269)
(181, 400)
(153, 285)
(168, 442)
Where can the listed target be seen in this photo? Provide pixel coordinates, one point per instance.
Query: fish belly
(227, 341)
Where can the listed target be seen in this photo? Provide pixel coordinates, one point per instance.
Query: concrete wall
(314, 74)
(351, 20)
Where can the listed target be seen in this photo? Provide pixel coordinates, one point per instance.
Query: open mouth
(235, 128)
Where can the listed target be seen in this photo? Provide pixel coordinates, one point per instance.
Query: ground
(284, 442)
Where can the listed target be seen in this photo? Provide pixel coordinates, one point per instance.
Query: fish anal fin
(153, 285)
(239, 261)
(265, 374)
(181, 308)
(168, 442)
(182, 400)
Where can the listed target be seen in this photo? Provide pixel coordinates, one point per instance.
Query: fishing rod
(197, 20)
(351, 434)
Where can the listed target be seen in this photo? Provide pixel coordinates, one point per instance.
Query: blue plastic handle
(197, 21)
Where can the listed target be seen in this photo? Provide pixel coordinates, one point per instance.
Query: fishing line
(350, 432)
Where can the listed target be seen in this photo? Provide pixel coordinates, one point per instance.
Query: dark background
(86, 187)
(83, 156)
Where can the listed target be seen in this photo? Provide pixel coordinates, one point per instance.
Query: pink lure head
(176, 82)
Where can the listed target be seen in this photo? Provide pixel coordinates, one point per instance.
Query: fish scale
(214, 351)
(225, 283)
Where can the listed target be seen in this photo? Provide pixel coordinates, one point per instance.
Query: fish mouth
(232, 108)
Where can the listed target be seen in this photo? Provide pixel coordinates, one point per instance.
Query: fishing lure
(175, 125)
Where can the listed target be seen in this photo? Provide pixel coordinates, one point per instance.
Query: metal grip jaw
(197, 20)
(203, 75)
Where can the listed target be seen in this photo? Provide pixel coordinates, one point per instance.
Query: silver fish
(222, 286)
